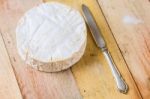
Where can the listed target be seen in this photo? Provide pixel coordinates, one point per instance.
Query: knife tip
(84, 6)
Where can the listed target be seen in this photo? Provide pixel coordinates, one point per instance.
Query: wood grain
(129, 21)
(92, 73)
(9, 88)
(33, 84)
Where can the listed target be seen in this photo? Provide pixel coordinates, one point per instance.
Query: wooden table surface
(125, 25)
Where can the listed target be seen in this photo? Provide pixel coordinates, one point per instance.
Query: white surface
(131, 20)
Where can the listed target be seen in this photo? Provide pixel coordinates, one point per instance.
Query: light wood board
(9, 88)
(92, 76)
(129, 21)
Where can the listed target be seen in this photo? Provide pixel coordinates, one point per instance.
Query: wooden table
(125, 25)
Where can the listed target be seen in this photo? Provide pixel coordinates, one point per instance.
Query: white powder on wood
(131, 20)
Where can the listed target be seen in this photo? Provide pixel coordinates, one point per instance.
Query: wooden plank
(100, 79)
(9, 88)
(33, 84)
(130, 24)
(92, 73)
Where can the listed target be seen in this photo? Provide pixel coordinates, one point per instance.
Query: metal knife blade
(96, 33)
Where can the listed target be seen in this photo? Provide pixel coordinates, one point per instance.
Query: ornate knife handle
(121, 84)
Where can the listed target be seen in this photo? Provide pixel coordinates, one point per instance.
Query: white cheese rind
(51, 37)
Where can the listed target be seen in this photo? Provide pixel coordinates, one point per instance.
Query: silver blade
(93, 27)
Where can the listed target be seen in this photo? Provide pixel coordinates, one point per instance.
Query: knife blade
(100, 42)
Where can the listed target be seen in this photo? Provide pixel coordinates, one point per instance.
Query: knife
(96, 33)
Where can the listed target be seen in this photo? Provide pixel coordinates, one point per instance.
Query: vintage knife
(96, 33)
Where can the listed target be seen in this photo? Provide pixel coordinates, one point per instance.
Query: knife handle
(121, 84)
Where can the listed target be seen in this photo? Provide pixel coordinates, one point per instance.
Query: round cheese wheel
(51, 37)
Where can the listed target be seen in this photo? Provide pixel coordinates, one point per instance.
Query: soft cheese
(51, 37)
